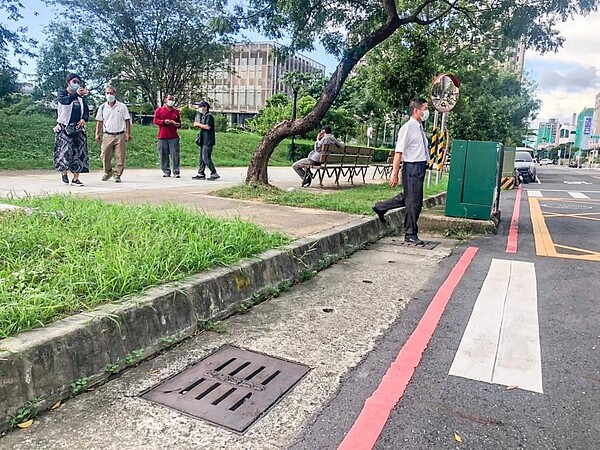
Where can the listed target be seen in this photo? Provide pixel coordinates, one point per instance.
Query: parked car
(525, 167)
(545, 162)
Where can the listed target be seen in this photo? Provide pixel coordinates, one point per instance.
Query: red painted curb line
(513, 234)
(374, 415)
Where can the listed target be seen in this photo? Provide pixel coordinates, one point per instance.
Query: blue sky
(568, 80)
(37, 22)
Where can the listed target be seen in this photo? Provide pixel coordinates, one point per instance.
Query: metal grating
(566, 206)
(429, 245)
(232, 387)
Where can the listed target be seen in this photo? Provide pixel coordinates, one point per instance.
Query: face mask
(110, 98)
(74, 86)
(202, 110)
(170, 103)
(425, 115)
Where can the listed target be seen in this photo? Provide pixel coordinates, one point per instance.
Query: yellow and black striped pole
(440, 150)
(433, 148)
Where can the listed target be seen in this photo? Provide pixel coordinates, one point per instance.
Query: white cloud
(569, 79)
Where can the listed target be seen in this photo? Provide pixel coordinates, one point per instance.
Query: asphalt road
(549, 334)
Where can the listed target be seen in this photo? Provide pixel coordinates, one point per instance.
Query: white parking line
(578, 195)
(501, 343)
(534, 194)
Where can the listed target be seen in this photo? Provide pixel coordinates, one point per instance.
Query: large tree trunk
(257, 170)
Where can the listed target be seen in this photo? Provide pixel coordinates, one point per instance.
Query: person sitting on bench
(316, 156)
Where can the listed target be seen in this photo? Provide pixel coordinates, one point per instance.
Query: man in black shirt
(205, 141)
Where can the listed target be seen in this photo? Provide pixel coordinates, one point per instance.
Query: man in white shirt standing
(412, 152)
(114, 120)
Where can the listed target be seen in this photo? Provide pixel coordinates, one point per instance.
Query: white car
(525, 167)
(545, 162)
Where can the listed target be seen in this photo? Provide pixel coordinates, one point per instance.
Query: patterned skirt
(71, 153)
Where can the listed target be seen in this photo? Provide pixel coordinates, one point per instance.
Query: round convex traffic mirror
(444, 93)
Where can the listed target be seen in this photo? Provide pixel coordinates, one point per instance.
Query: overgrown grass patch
(92, 253)
(354, 200)
(28, 143)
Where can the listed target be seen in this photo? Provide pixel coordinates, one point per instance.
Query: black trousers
(413, 175)
(205, 160)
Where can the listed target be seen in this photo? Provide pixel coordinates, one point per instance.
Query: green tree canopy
(158, 47)
(351, 28)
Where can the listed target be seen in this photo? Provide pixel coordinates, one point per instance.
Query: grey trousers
(300, 170)
(169, 149)
(413, 175)
(205, 160)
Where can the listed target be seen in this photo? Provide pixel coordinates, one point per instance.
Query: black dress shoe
(380, 214)
(413, 240)
(307, 180)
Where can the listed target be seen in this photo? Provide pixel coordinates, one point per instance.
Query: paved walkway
(148, 186)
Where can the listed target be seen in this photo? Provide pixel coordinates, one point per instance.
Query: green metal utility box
(474, 182)
(508, 167)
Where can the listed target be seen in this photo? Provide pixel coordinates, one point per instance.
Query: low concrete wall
(42, 364)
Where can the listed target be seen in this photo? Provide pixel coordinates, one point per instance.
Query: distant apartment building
(515, 60)
(596, 129)
(26, 88)
(566, 133)
(584, 128)
(548, 133)
(254, 76)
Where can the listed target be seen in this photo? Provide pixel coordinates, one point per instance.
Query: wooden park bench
(384, 169)
(349, 162)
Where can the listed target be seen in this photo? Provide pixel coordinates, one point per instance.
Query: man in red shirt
(168, 120)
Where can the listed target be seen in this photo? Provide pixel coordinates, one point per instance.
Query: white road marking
(576, 182)
(501, 343)
(534, 194)
(578, 195)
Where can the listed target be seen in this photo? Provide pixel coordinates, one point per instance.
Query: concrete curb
(454, 226)
(89, 347)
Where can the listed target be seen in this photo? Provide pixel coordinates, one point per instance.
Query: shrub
(24, 105)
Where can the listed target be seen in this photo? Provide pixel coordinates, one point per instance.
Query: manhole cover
(429, 245)
(566, 206)
(232, 387)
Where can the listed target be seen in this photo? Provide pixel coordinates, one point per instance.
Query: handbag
(71, 130)
(199, 139)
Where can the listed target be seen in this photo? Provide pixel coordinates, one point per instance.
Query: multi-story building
(254, 76)
(516, 59)
(584, 128)
(567, 131)
(596, 129)
(548, 133)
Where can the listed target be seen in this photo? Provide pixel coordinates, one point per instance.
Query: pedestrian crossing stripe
(508, 183)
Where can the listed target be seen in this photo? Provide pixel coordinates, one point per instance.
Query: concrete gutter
(88, 348)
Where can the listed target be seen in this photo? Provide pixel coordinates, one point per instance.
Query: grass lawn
(54, 265)
(28, 143)
(354, 200)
